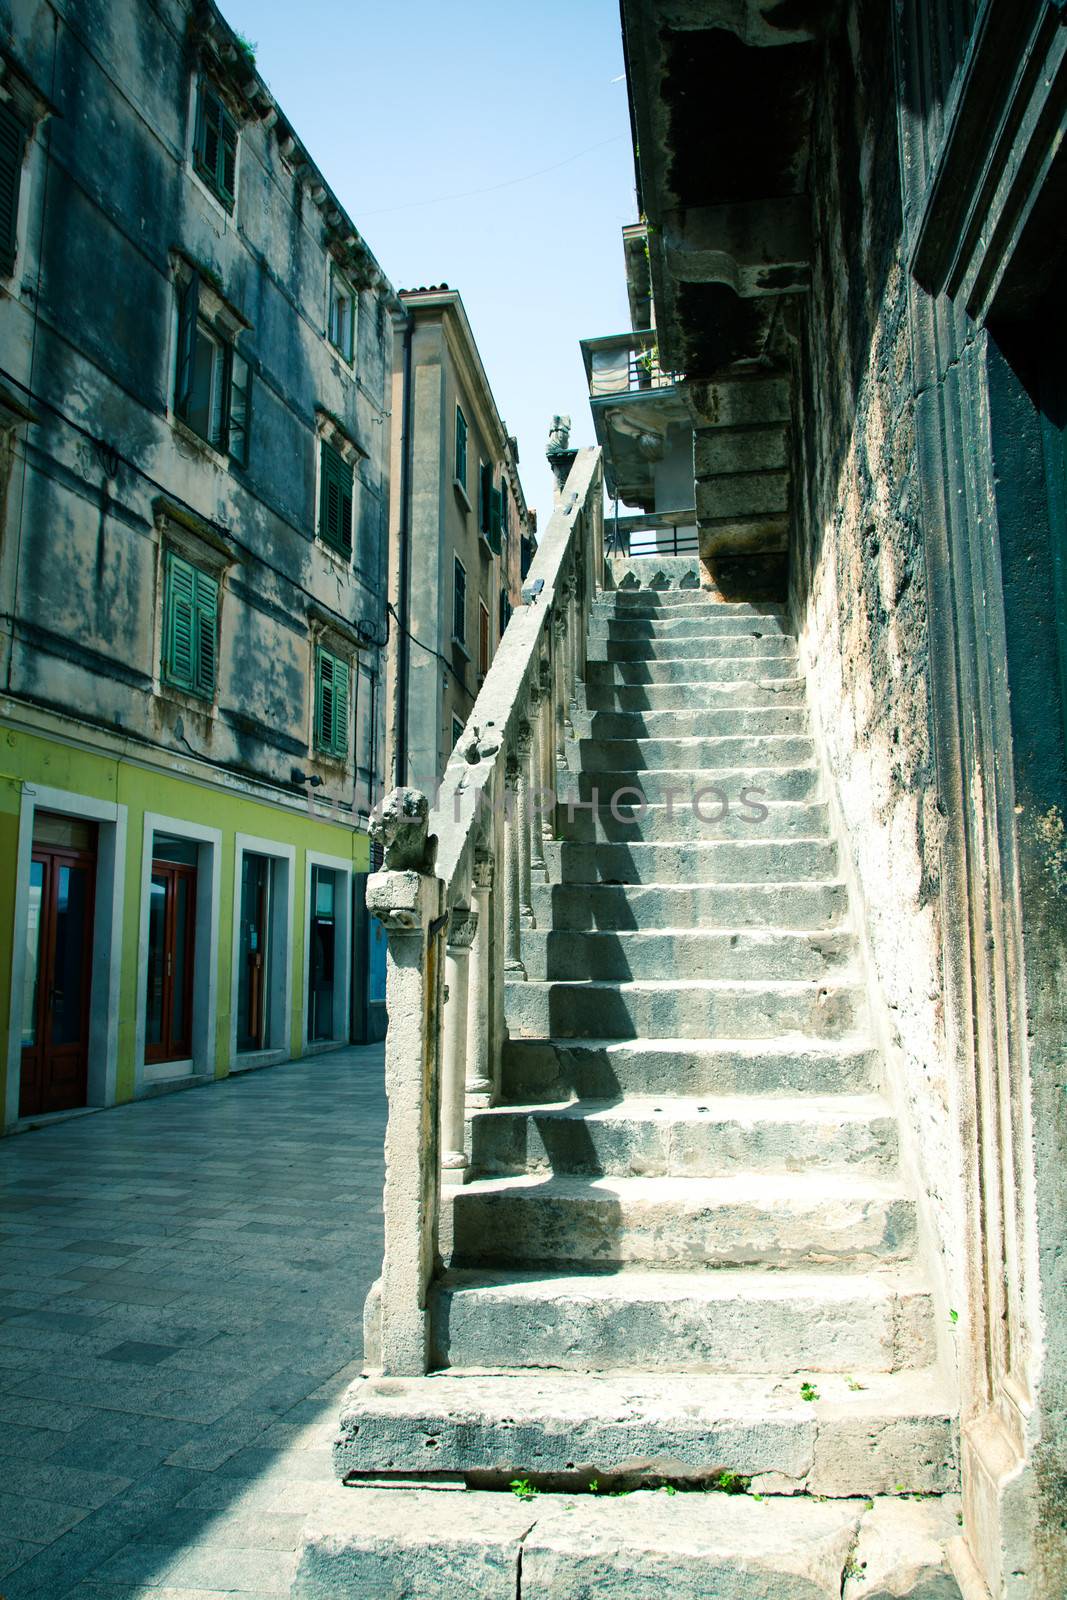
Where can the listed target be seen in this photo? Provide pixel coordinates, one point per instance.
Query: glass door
(171, 953)
(322, 955)
(59, 950)
(254, 954)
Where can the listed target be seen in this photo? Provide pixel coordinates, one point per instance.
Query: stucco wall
(858, 590)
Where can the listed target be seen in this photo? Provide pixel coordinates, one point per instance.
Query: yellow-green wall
(34, 759)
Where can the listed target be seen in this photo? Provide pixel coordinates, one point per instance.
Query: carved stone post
(479, 1084)
(548, 759)
(524, 745)
(566, 592)
(559, 696)
(538, 793)
(407, 897)
(462, 925)
(513, 967)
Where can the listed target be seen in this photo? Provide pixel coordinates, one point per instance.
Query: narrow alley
(181, 1286)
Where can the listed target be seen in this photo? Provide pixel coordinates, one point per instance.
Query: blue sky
(407, 104)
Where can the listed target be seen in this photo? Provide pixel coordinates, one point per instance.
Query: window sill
(338, 557)
(461, 494)
(188, 699)
(460, 648)
(201, 445)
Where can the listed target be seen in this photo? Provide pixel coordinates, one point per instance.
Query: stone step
(707, 722)
(610, 907)
(556, 1068)
(707, 624)
(683, 1008)
(702, 648)
(715, 814)
(799, 782)
(745, 954)
(446, 1543)
(655, 601)
(895, 1434)
(744, 1321)
(719, 669)
(682, 754)
(698, 861)
(740, 693)
(687, 1137)
(809, 1219)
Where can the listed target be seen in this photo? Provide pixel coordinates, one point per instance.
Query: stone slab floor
(181, 1287)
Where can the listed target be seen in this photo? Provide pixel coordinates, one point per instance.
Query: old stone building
(727, 1151)
(460, 533)
(196, 348)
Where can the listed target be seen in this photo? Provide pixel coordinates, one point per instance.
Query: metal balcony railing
(667, 533)
(625, 363)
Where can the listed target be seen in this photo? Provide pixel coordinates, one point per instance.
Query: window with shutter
(190, 627)
(332, 675)
(335, 499)
(461, 448)
(215, 146)
(12, 145)
(459, 602)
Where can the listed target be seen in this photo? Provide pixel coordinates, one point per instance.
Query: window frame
(231, 370)
(228, 134)
(459, 608)
(346, 350)
(202, 597)
(330, 733)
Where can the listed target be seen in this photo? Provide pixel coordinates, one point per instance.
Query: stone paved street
(181, 1288)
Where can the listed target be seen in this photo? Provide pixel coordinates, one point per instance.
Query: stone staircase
(686, 1249)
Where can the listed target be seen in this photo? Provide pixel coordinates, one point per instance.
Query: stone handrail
(457, 882)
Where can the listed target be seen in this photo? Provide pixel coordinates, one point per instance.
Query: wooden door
(59, 955)
(171, 952)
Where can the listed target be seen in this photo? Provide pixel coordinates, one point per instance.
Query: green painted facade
(33, 759)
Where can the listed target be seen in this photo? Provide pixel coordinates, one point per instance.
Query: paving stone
(247, 1323)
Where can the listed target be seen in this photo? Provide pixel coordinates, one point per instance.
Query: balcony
(624, 363)
(639, 414)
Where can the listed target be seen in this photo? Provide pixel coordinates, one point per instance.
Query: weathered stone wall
(110, 202)
(858, 590)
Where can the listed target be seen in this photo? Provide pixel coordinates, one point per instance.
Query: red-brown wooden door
(171, 951)
(55, 1031)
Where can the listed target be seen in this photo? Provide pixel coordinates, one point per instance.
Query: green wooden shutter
(240, 408)
(227, 171)
(495, 516)
(461, 448)
(341, 676)
(12, 143)
(188, 310)
(323, 689)
(335, 500)
(179, 645)
(206, 601)
(485, 495)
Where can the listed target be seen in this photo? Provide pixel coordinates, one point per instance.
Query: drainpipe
(403, 646)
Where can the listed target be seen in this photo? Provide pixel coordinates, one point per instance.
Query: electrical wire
(493, 188)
